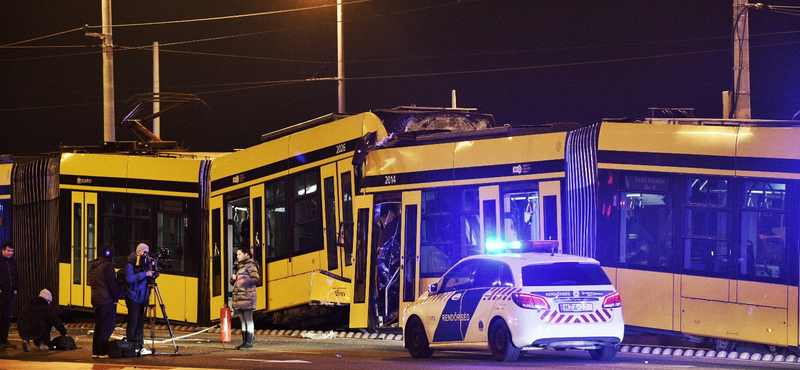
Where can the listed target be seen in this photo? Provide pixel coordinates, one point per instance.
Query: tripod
(152, 286)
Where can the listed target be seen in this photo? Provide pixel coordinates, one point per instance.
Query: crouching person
(37, 321)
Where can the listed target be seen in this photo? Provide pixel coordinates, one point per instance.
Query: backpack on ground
(63, 343)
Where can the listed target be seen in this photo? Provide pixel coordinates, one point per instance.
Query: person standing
(9, 286)
(105, 294)
(37, 320)
(244, 281)
(137, 295)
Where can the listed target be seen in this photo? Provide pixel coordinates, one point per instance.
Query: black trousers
(7, 300)
(136, 315)
(105, 320)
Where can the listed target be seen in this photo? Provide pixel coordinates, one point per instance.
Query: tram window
(171, 231)
(387, 247)
(646, 229)
(77, 241)
(306, 218)
(275, 241)
(707, 191)
(360, 275)
(762, 253)
(330, 222)
(521, 216)
(347, 217)
(489, 219)
(112, 220)
(437, 247)
(258, 245)
(707, 222)
(171, 235)
(706, 255)
(216, 254)
(706, 227)
(449, 228)
(5, 219)
(140, 223)
(470, 222)
(409, 295)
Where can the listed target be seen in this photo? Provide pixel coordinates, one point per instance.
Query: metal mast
(340, 54)
(741, 61)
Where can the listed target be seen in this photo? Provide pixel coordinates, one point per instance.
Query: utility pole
(741, 61)
(109, 134)
(156, 91)
(340, 55)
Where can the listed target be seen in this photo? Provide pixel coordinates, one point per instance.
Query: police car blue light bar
(494, 246)
(500, 246)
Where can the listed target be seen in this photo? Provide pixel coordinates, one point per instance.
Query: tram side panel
(5, 202)
(448, 199)
(305, 182)
(698, 240)
(126, 200)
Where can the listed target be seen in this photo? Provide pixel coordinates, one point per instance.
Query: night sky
(524, 61)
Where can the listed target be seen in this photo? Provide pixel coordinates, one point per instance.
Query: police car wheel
(500, 342)
(604, 353)
(416, 339)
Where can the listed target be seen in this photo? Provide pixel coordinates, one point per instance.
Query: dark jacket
(38, 318)
(136, 287)
(244, 285)
(9, 279)
(103, 280)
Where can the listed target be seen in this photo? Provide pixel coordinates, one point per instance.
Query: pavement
(185, 341)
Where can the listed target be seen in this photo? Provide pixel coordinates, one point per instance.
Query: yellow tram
(697, 220)
(351, 216)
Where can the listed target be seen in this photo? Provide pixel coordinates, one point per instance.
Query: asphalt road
(335, 350)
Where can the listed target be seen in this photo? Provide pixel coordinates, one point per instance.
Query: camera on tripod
(156, 261)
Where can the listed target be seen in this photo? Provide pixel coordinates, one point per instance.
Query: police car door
(454, 289)
(493, 283)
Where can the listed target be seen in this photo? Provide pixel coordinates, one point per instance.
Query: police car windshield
(564, 273)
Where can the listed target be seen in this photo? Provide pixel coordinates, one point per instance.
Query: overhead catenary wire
(239, 86)
(236, 86)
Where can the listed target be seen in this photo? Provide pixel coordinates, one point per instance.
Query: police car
(514, 302)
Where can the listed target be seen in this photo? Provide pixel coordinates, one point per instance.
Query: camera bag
(121, 348)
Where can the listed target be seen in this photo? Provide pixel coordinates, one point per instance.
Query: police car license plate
(575, 307)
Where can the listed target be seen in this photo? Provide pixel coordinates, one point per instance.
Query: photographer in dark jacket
(137, 295)
(37, 320)
(9, 286)
(105, 294)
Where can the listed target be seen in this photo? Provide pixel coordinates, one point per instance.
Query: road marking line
(278, 361)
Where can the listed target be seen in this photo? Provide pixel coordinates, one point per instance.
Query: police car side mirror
(433, 288)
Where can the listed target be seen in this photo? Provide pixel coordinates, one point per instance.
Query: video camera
(155, 261)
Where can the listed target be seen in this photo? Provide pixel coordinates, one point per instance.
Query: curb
(708, 353)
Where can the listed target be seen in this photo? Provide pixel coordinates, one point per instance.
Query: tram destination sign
(647, 183)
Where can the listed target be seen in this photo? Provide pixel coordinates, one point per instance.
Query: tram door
(332, 219)
(236, 233)
(550, 215)
(361, 309)
(84, 246)
(217, 257)
(490, 214)
(410, 289)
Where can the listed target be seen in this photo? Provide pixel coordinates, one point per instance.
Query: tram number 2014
(341, 148)
(389, 180)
